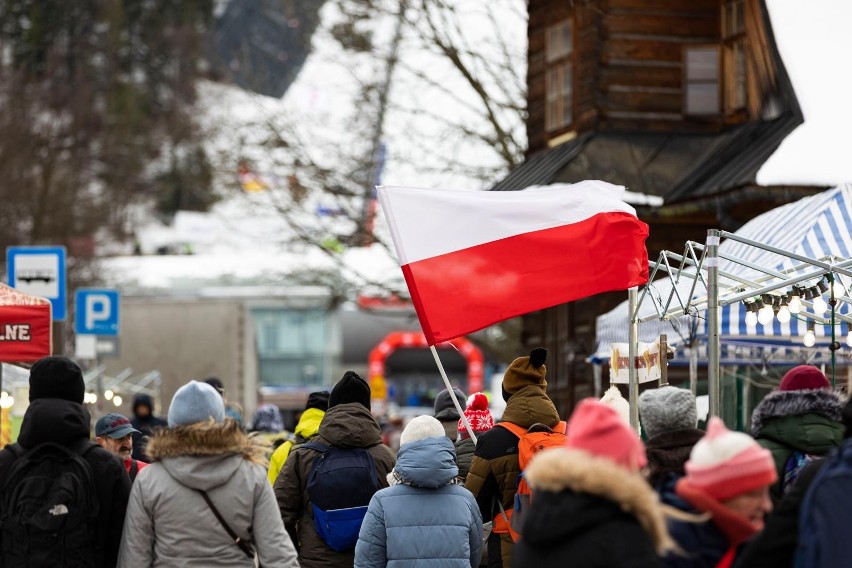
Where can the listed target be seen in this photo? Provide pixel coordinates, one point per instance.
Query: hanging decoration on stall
(648, 363)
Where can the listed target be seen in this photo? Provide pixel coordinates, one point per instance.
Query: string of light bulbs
(766, 307)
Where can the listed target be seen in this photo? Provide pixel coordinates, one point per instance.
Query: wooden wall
(628, 63)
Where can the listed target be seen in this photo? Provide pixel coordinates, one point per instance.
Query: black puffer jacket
(464, 455)
(64, 422)
(589, 512)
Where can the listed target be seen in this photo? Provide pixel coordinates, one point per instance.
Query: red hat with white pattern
(477, 415)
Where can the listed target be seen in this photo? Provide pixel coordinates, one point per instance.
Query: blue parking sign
(96, 311)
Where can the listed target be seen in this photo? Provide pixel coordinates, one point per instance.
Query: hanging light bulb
(819, 305)
(838, 290)
(809, 338)
(108, 394)
(765, 315)
(751, 319)
(784, 314)
(795, 304)
(116, 400)
(849, 338)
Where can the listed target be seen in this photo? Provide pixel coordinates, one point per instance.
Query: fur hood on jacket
(208, 439)
(558, 469)
(780, 404)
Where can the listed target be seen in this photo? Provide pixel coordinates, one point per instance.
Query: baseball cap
(114, 426)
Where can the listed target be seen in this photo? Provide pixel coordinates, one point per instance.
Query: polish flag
(474, 258)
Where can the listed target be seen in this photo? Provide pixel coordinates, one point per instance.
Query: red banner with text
(25, 333)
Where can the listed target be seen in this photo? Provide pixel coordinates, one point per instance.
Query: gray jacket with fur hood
(168, 522)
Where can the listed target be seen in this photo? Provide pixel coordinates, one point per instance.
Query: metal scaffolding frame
(700, 264)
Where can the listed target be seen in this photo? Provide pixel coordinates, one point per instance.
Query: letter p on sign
(97, 309)
(96, 312)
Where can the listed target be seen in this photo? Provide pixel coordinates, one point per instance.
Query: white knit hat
(421, 427)
(612, 398)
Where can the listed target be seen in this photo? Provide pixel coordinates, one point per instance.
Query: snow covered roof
(812, 38)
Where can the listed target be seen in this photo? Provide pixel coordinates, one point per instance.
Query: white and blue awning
(817, 227)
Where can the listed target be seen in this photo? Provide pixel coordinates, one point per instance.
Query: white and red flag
(474, 258)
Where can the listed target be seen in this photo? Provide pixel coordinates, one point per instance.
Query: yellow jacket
(306, 429)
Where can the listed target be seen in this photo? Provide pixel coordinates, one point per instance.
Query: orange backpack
(530, 441)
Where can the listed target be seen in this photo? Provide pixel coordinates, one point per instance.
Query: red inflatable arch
(397, 339)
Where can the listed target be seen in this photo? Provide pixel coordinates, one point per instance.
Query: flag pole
(452, 393)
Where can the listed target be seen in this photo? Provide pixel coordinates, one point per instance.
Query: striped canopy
(818, 227)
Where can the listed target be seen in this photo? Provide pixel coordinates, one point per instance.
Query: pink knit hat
(598, 429)
(804, 377)
(477, 414)
(725, 464)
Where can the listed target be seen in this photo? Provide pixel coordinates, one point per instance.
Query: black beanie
(57, 377)
(318, 400)
(351, 388)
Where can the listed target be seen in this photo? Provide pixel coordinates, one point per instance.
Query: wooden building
(684, 100)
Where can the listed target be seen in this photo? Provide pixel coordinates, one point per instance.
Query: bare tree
(423, 92)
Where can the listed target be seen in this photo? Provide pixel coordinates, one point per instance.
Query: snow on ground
(812, 38)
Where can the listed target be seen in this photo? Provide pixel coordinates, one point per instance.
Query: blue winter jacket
(426, 523)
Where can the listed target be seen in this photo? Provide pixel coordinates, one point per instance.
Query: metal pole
(597, 371)
(834, 345)
(713, 347)
(693, 367)
(633, 352)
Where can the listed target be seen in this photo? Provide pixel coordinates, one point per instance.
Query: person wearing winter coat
(56, 415)
(446, 413)
(169, 522)
(801, 417)
(668, 416)
(775, 546)
(347, 424)
(495, 468)
(423, 518)
(721, 502)
(144, 422)
(590, 506)
(480, 421)
(306, 430)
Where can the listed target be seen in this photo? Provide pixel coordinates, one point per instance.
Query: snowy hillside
(268, 235)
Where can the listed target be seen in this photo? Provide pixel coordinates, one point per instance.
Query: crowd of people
(458, 488)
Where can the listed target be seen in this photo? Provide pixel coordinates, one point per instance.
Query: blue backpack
(341, 484)
(826, 514)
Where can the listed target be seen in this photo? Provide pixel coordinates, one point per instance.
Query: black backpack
(49, 508)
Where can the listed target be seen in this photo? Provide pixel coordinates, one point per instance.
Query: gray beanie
(445, 410)
(196, 402)
(667, 408)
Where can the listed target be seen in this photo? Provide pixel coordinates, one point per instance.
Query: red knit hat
(804, 377)
(598, 429)
(725, 464)
(477, 414)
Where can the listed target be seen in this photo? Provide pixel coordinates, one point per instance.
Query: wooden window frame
(559, 62)
(717, 81)
(734, 71)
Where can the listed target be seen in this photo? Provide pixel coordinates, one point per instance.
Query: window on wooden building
(734, 41)
(701, 80)
(559, 49)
